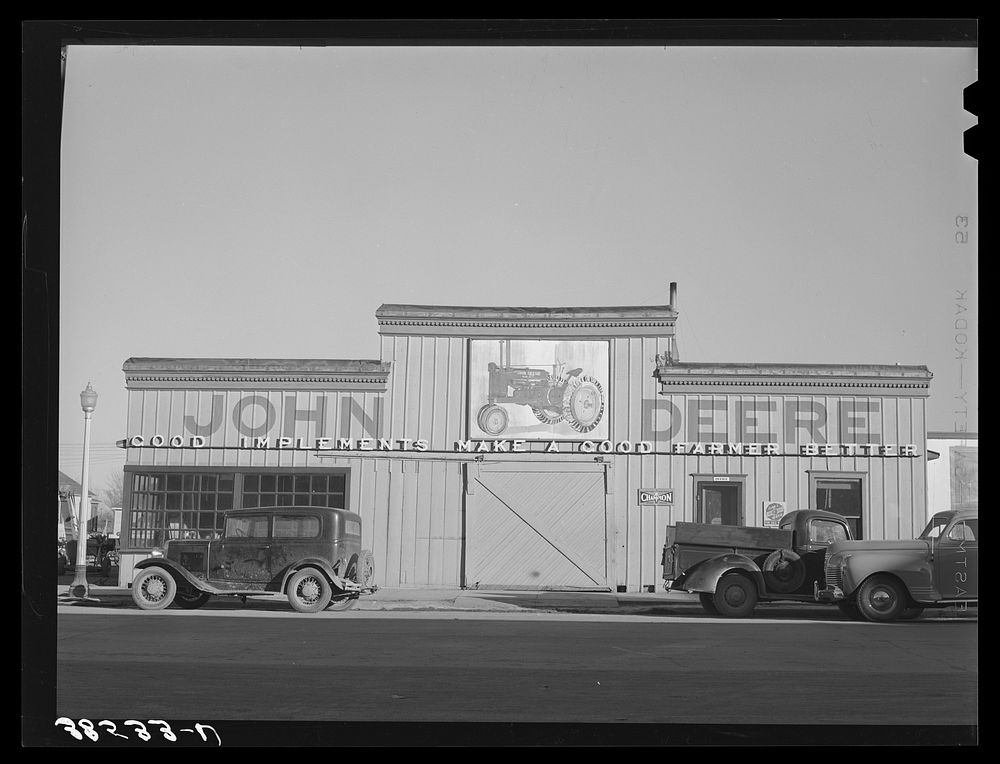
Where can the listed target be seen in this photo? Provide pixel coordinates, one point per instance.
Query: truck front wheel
(881, 599)
(735, 596)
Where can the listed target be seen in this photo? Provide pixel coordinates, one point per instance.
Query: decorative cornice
(459, 321)
(839, 377)
(146, 372)
(318, 379)
(527, 324)
(702, 382)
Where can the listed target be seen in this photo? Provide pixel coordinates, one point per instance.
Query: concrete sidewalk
(445, 599)
(508, 601)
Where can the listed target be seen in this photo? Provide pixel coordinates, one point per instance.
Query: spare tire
(784, 571)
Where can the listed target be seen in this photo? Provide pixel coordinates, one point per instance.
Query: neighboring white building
(952, 471)
(69, 492)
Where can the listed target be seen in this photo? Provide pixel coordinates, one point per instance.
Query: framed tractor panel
(539, 389)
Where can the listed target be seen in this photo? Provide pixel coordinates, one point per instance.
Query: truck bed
(736, 536)
(687, 544)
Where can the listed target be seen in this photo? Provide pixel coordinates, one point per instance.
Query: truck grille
(834, 576)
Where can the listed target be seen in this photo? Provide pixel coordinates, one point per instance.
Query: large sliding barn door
(534, 526)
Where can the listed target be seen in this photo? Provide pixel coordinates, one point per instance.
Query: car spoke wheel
(365, 569)
(153, 589)
(881, 599)
(309, 591)
(735, 596)
(191, 599)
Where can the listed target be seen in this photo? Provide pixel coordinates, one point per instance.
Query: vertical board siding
(413, 507)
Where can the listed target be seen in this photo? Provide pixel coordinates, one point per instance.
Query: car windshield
(934, 528)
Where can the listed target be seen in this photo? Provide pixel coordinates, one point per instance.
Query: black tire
(911, 613)
(881, 599)
(850, 609)
(583, 403)
(191, 599)
(735, 596)
(784, 571)
(492, 419)
(309, 591)
(708, 603)
(153, 589)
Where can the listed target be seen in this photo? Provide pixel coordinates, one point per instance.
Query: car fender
(320, 564)
(179, 573)
(914, 572)
(704, 577)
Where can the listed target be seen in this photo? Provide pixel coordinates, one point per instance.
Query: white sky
(263, 202)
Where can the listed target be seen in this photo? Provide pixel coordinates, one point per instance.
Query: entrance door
(536, 527)
(719, 504)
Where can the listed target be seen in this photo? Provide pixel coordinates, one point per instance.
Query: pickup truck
(732, 568)
(890, 580)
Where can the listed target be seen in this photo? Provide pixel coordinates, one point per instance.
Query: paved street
(523, 667)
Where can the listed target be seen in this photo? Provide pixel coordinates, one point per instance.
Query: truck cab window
(826, 532)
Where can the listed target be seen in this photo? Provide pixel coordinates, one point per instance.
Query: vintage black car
(311, 554)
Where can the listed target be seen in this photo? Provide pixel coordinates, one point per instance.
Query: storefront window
(283, 490)
(172, 505)
(177, 505)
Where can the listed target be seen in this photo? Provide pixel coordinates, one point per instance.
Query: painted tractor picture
(553, 394)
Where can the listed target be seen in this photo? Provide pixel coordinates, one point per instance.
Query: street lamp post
(79, 588)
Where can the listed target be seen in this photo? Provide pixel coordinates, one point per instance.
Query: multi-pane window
(171, 505)
(177, 505)
(284, 490)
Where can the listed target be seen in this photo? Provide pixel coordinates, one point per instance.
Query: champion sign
(650, 497)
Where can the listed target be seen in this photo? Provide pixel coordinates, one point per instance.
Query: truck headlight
(156, 552)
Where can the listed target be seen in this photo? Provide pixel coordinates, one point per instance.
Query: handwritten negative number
(111, 728)
(85, 728)
(165, 729)
(141, 732)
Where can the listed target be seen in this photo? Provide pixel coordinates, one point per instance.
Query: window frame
(239, 474)
(864, 520)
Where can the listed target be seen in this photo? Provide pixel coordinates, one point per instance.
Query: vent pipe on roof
(672, 355)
